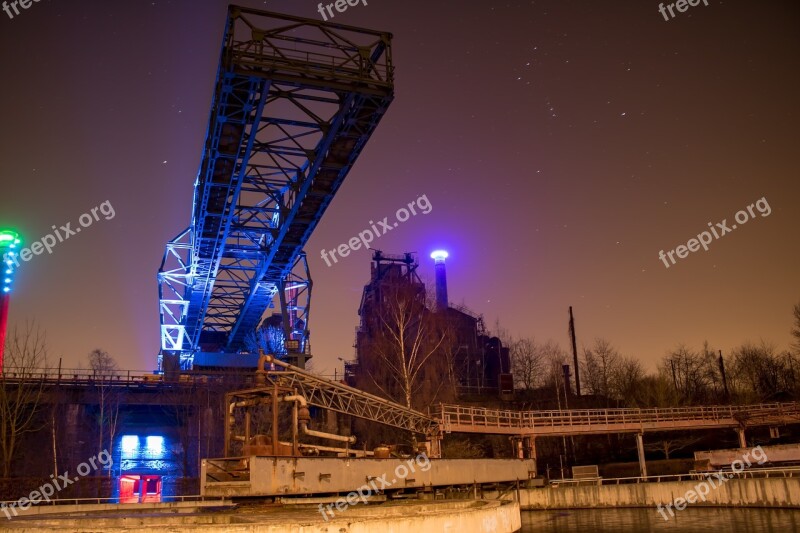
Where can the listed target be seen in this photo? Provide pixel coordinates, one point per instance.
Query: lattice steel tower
(294, 104)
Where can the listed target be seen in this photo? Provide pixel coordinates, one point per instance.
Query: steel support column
(742, 440)
(530, 447)
(640, 449)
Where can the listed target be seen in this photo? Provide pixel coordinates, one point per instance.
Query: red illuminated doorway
(136, 488)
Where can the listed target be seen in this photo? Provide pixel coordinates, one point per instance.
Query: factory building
(464, 358)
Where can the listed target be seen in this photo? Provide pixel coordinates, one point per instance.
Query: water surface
(722, 520)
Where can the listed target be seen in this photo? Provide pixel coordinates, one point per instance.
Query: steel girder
(294, 104)
(339, 397)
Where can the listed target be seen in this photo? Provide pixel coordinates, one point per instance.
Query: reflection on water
(645, 520)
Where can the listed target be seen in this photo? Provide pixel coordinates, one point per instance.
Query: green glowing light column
(9, 244)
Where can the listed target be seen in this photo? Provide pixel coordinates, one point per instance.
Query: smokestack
(567, 384)
(574, 353)
(442, 301)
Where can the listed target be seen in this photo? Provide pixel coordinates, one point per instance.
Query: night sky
(561, 145)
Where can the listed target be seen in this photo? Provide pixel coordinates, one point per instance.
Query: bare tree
(57, 403)
(463, 447)
(527, 363)
(451, 350)
(796, 329)
(182, 402)
(790, 364)
(656, 391)
(600, 363)
(102, 364)
(669, 445)
(404, 346)
(713, 374)
(502, 333)
(626, 380)
(554, 360)
(104, 370)
(691, 373)
(269, 337)
(21, 389)
(757, 372)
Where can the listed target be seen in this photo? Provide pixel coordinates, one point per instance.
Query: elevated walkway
(461, 419)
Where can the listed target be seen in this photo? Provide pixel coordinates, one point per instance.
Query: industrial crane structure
(295, 102)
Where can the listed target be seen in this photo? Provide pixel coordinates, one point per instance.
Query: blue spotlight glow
(439, 255)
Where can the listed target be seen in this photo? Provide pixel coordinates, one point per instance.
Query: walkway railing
(86, 501)
(121, 378)
(790, 472)
(577, 421)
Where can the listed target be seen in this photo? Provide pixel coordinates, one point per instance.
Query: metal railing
(791, 472)
(124, 378)
(114, 501)
(464, 418)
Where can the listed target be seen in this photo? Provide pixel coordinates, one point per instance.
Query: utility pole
(574, 352)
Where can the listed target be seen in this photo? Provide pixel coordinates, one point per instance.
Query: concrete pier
(465, 516)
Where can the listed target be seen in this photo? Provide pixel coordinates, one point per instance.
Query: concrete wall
(133, 508)
(754, 492)
(321, 475)
(774, 454)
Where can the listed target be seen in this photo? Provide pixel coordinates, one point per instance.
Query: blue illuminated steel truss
(295, 102)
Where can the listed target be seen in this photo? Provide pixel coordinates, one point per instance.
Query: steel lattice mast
(295, 102)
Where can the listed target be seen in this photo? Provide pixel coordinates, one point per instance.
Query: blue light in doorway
(129, 445)
(155, 446)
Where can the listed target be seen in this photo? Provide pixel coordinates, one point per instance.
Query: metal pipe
(231, 421)
(247, 426)
(275, 418)
(262, 360)
(341, 438)
(243, 403)
(354, 453)
(296, 398)
(295, 441)
(304, 425)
